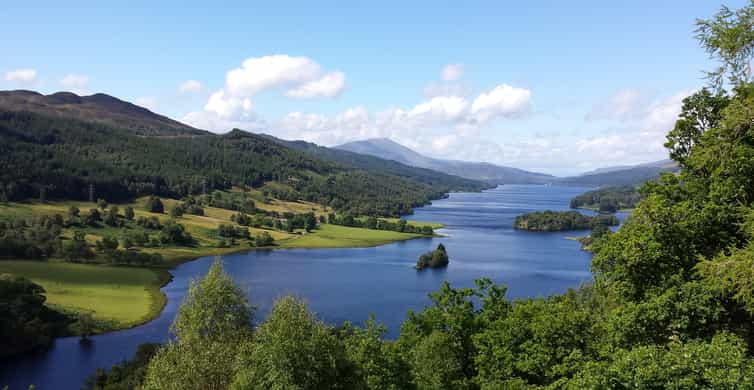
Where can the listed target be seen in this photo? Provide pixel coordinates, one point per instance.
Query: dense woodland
(48, 157)
(25, 322)
(557, 221)
(671, 306)
(608, 200)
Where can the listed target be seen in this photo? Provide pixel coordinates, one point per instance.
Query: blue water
(351, 284)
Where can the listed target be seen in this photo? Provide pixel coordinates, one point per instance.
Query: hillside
(51, 155)
(490, 173)
(375, 164)
(621, 176)
(98, 108)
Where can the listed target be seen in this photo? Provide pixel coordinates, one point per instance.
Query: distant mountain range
(377, 156)
(490, 173)
(623, 175)
(496, 174)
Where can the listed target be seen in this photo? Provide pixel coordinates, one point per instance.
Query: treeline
(608, 200)
(42, 237)
(375, 223)
(26, 323)
(555, 221)
(50, 157)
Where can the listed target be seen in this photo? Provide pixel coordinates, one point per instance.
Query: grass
(117, 297)
(335, 236)
(433, 225)
(122, 297)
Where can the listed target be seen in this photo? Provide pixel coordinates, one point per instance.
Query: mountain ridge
(491, 173)
(99, 108)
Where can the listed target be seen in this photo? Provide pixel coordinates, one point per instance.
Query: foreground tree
(214, 319)
(293, 349)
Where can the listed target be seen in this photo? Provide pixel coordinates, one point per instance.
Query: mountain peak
(388, 149)
(99, 107)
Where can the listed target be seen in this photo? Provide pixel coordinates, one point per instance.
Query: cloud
(229, 107)
(452, 72)
(625, 105)
(148, 102)
(300, 77)
(75, 82)
(24, 76)
(189, 87)
(503, 101)
(329, 85)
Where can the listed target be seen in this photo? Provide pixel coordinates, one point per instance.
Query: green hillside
(52, 157)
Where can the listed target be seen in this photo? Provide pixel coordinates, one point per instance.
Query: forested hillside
(52, 157)
(609, 199)
(98, 108)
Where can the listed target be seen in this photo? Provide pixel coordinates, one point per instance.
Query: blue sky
(559, 87)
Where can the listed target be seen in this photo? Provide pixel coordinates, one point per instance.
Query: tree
(102, 204)
(175, 233)
(129, 213)
(154, 205)
(728, 36)
(86, 325)
(73, 213)
(176, 211)
(25, 321)
(77, 249)
(92, 217)
(437, 258)
(699, 113)
(292, 349)
(378, 364)
(264, 239)
(213, 320)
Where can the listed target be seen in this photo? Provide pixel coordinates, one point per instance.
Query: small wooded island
(556, 221)
(437, 258)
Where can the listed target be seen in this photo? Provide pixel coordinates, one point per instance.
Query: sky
(550, 86)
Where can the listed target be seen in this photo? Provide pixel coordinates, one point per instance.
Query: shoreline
(164, 275)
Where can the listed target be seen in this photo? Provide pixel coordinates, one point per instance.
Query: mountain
(490, 173)
(61, 145)
(97, 108)
(622, 176)
(666, 164)
(375, 164)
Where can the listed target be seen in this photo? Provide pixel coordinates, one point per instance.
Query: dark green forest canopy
(53, 157)
(553, 221)
(610, 199)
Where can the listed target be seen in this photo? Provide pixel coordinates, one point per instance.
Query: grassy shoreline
(87, 287)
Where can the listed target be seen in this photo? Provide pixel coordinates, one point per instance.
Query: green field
(120, 297)
(335, 236)
(117, 297)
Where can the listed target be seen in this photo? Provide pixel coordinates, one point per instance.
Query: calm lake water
(351, 284)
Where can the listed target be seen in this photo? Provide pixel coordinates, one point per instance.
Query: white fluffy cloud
(329, 85)
(448, 121)
(452, 72)
(75, 82)
(24, 76)
(189, 87)
(503, 101)
(299, 77)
